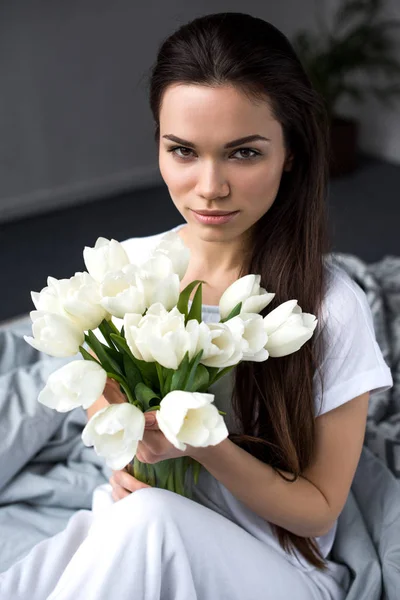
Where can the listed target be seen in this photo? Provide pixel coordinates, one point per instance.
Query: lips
(214, 213)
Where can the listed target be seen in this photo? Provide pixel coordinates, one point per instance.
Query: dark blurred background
(77, 156)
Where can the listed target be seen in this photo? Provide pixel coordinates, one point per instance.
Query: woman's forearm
(299, 507)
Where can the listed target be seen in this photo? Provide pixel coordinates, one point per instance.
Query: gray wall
(74, 117)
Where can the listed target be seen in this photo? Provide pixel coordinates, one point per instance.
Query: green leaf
(103, 353)
(179, 377)
(201, 380)
(121, 343)
(168, 374)
(234, 312)
(149, 373)
(87, 356)
(221, 373)
(196, 308)
(160, 375)
(144, 394)
(123, 331)
(185, 295)
(132, 373)
(188, 382)
(106, 329)
(212, 373)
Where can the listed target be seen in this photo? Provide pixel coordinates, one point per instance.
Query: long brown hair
(273, 399)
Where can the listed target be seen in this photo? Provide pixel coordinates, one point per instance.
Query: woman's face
(207, 176)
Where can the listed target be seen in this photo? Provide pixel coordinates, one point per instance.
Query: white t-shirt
(353, 364)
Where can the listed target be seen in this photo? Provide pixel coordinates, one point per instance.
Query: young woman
(240, 130)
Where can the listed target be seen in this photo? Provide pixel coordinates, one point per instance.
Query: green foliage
(234, 313)
(196, 308)
(111, 360)
(357, 43)
(144, 394)
(182, 305)
(192, 373)
(179, 376)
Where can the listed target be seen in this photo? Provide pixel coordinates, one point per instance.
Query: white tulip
(122, 293)
(191, 418)
(288, 329)
(159, 336)
(225, 349)
(158, 281)
(115, 432)
(79, 383)
(248, 291)
(173, 246)
(107, 255)
(54, 334)
(77, 298)
(249, 327)
(201, 338)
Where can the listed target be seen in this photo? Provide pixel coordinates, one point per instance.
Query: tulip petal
(278, 316)
(286, 341)
(256, 304)
(238, 291)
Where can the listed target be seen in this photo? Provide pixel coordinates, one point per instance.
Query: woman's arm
(309, 506)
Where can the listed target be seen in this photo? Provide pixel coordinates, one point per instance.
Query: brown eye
(255, 154)
(248, 150)
(179, 148)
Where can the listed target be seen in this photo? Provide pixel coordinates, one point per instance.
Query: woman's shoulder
(343, 296)
(352, 362)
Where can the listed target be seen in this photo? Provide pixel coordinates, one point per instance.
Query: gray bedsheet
(46, 474)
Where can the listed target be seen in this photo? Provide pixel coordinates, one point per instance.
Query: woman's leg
(156, 545)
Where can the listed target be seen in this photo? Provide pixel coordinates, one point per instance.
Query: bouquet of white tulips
(161, 353)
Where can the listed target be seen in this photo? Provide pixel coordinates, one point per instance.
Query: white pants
(157, 545)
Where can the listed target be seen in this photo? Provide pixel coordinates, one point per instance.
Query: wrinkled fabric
(153, 545)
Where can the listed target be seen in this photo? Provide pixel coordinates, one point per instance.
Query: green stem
(125, 387)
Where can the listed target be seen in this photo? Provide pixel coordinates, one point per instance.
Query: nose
(212, 184)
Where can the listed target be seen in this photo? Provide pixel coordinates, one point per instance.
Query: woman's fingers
(124, 484)
(118, 493)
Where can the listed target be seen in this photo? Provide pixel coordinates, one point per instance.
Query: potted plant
(358, 43)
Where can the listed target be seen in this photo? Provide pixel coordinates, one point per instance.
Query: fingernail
(150, 419)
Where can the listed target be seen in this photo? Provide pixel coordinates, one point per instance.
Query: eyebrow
(238, 142)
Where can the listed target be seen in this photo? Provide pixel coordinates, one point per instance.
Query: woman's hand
(153, 448)
(123, 484)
